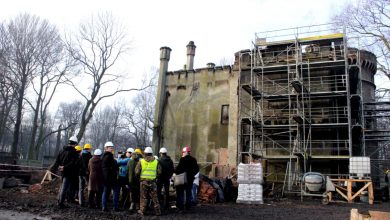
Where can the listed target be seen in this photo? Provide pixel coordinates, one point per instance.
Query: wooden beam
(342, 194)
(360, 190)
(349, 191)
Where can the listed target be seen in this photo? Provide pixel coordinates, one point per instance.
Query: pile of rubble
(218, 190)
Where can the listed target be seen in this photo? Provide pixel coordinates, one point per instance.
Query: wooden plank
(44, 177)
(355, 215)
(340, 187)
(351, 180)
(349, 191)
(377, 215)
(342, 194)
(360, 190)
(370, 194)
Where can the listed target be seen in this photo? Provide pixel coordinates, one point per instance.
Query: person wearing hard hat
(110, 174)
(95, 182)
(74, 186)
(134, 180)
(189, 165)
(123, 179)
(148, 169)
(83, 172)
(163, 181)
(67, 163)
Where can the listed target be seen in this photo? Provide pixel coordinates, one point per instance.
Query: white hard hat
(97, 152)
(108, 144)
(148, 150)
(130, 150)
(73, 140)
(163, 150)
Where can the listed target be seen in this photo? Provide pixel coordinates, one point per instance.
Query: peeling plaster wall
(193, 114)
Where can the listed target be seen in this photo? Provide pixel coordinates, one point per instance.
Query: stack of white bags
(250, 179)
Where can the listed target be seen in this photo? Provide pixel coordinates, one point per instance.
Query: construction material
(372, 215)
(347, 192)
(250, 173)
(250, 193)
(359, 167)
(250, 179)
(207, 193)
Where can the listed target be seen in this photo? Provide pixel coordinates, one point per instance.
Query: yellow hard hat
(138, 151)
(87, 146)
(78, 148)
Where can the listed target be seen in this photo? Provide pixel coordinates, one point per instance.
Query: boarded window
(225, 114)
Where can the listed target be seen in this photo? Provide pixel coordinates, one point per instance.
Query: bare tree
(106, 125)
(97, 47)
(68, 114)
(371, 20)
(138, 117)
(53, 64)
(7, 102)
(23, 39)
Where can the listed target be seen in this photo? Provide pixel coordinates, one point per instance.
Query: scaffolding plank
(377, 103)
(256, 94)
(251, 121)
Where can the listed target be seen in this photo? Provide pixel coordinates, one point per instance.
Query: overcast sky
(219, 28)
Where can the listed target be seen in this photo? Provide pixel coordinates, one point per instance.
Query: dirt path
(44, 205)
(15, 215)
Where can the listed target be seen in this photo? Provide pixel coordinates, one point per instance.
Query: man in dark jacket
(67, 163)
(110, 174)
(167, 167)
(189, 165)
(134, 179)
(83, 172)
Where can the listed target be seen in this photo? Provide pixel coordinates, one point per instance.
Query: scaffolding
(301, 102)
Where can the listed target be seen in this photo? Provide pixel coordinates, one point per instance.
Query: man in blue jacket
(123, 178)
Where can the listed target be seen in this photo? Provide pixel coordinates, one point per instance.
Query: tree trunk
(58, 143)
(15, 142)
(40, 140)
(32, 147)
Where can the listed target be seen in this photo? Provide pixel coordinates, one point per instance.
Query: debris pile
(217, 190)
(50, 187)
(207, 193)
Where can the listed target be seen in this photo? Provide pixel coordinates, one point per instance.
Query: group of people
(138, 178)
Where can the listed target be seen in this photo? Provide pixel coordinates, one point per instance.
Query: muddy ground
(42, 204)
